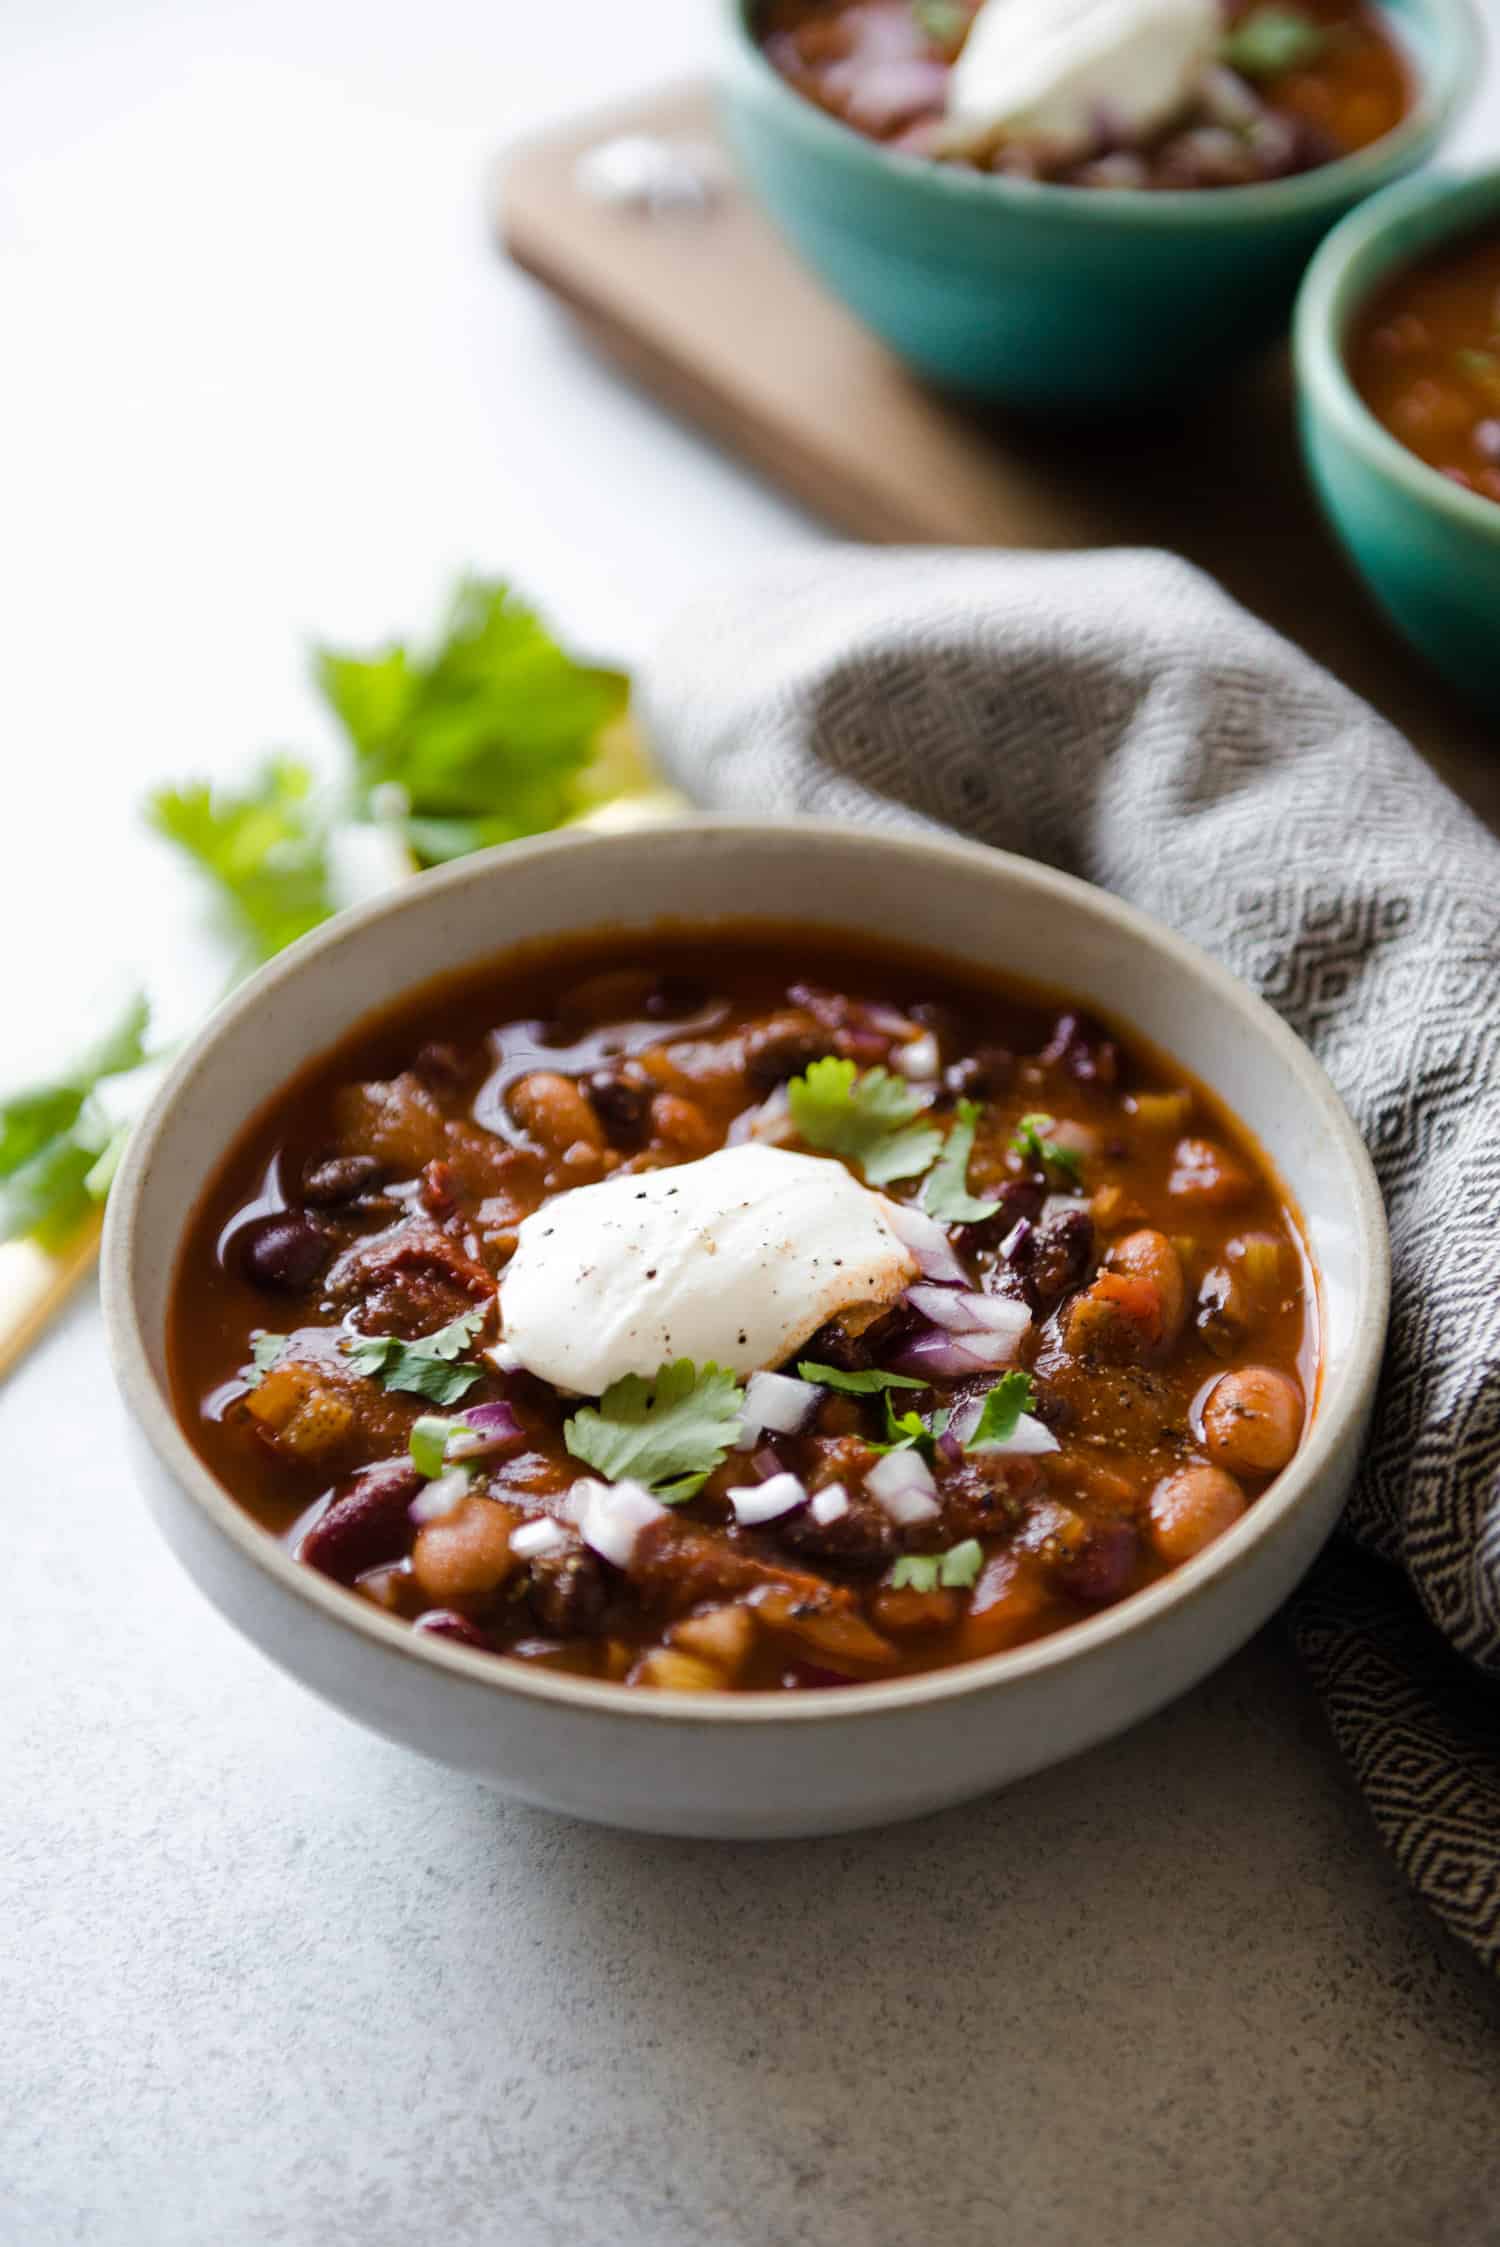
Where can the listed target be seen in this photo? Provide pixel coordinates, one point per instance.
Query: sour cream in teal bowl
(1427, 549)
(1051, 296)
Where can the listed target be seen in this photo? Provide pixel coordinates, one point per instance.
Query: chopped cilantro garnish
(482, 738)
(863, 1384)
(868, 1119)
(1055, 1161)
(424, 1368)
(430, 1437)
(955, 1570)
(265, 1349)
(56, 1141)
(946, 1194)
(264, 848)
(669, 1432)
(908, 1431)
(1272, 39)
(1003, 1407)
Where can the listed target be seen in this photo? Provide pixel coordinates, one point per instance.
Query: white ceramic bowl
(754, 1764)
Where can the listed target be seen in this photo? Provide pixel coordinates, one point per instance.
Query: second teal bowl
(1055, 297)
(1428, 550)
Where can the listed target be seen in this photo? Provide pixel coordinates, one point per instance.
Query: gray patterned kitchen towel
(1116, 715)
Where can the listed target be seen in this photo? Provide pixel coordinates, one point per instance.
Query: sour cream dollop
(735, 1259)
(1050, 70)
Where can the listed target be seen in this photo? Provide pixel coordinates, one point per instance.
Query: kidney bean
(340, 1178)
(365, 1524)
(1084, 1049)
(441, 1067)
(783, 1047)
(285, 1252)
(1099, 1572)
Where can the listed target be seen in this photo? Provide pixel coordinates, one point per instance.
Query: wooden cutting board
(712, 314)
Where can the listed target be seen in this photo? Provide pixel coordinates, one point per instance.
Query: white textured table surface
(263, 1979)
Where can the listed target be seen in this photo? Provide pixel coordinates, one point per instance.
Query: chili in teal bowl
(1427, 547)
(1063, 297)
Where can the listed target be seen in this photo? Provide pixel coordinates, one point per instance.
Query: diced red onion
(502, 1356)
(918, 1058)
(1061, 1205)
(963, 1310)
(767, 1462)
(927, 1241)
(936, 1355)
(950, 1450)
(534, 1538)
(874, 1016)
(1018, 1233)
(902, 1483)
(776, 1402)
(611, 1516)
(493, 1425)
(831, 1504)
(767, 1501)
(439, 1498)
(770, 1123)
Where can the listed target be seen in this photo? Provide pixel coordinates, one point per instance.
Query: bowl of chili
(1398, 364)
(1065, 292)
(718, 1374)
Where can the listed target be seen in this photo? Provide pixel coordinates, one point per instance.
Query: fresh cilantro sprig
(481, 738)
(1011, 1396)
(58, 1146)
(863, 1384)
(908, 1431)
(1272, 39)
(1058, 1163)
(424, 1368)
(265, 1349)
(945, 1195)
(264, 849)
(869, 1119)
(668, 1433)
(955, 1570)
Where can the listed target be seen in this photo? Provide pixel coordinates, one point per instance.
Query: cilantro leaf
(1055, 1161)
(668, 1433)
(54, 1137)
(997, 1423)
(424, 1368)
(428, 1444)
(1273, 39)
(855, 1384)
(265, 1349)
(867, 1119)
(946, 1194)
(264, 848)
(485, 735)
(955, 1570)
(908, 1431)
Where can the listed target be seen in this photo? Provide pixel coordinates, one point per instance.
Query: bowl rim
(1337, 1422)
(1446, 85)
(1362, 252)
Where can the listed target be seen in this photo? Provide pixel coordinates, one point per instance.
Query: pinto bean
(1253, 1419)
(681, 1125)
(1190, 1509)
(467, 1553)
(554, 1112)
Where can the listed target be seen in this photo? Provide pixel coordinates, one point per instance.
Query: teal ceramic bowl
(1428, 550)
(1061, 298)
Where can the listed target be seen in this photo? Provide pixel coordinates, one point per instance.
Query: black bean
(1052, 1260)
(285, 1252)
(980, 1075)
(621, 1105)
(1084, 1049)
(569, 1593)
(340, 1178)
